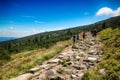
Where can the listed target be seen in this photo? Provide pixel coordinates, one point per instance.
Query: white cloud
(39, 22)
(106, 11)
(12, 32)
(12, 28)
(117, 12)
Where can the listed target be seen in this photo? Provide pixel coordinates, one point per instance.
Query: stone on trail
(102, 71)
(73, 76)
(80, 75)
(69, 63)
(82, 67)
(63, 53)
(43, 66)
(60, 56)
(55, 78)
(26, 76)
(93, 51)
(33, 70)
(82, 52)
(53, 61)
(50, 72)
(78, 58)
(92, 59)
(77, 67)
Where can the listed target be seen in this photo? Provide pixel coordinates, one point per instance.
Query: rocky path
(70, 64)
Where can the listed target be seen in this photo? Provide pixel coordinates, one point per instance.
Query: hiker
(84, 35)
(94, 33)
(74, 39)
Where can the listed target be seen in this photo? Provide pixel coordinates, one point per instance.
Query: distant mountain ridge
(6, 38)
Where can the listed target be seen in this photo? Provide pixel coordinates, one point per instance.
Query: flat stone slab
(34, 69)
(92, 59)
(26, 76)
(81, 75)
(53, 61)
(92, 52)
(60, 56)
(81, 52)
(43, 66)
(63, 53)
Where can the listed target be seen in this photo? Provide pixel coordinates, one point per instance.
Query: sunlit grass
(22, 62)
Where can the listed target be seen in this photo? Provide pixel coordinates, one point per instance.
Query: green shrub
(4, 55)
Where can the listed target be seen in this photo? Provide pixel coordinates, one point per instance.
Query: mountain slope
(47, 39)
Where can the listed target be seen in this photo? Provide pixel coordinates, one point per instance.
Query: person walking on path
(84, 35)
(74, 39)
(94, 33)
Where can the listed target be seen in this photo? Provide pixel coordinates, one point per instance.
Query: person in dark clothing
(84, 35)
(74, 39)
(94, 33)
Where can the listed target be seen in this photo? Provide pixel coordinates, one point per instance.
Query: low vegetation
(110, 59)
(22, 62)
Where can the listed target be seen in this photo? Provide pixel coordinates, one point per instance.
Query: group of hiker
(76, 37)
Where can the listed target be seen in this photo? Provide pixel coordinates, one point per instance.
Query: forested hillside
(47, 39)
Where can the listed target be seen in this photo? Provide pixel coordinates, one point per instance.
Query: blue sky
(19, 18)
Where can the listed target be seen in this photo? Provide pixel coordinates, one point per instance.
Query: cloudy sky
(20, 18)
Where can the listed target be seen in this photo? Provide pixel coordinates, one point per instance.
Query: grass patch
(20, 63)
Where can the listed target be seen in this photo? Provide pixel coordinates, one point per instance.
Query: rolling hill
(47, 39)
(19, 55)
